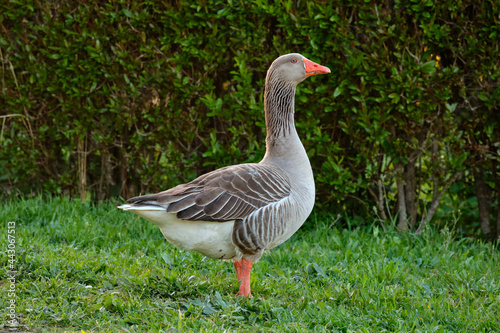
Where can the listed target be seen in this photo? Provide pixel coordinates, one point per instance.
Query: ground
(94, 268)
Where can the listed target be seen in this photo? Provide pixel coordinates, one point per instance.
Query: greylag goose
(238, 212)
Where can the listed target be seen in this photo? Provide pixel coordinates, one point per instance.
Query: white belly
(212, 239)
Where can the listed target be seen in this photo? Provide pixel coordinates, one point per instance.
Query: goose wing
(226, 194)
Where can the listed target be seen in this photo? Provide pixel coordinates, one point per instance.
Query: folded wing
(226, 194)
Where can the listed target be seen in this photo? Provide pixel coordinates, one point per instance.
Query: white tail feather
(141, 207)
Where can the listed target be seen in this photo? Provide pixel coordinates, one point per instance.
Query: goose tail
(142, 206)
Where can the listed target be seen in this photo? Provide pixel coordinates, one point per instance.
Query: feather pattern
(279, 97)
(226, 194)
(238, 212)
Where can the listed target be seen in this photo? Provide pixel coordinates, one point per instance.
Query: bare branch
(436, 200)
(403, 222)
(497, 188)
(387, 203)
(12, 115)
(24, 107)
(380, 200)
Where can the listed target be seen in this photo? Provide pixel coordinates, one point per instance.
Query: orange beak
(313, 68)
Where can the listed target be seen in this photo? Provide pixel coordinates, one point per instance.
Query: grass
(95, 268)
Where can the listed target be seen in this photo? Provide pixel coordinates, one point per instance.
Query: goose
(238, 212)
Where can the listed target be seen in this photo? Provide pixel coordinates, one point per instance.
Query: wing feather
(209, 195)
(217, 205)
(182, 204)
(225, 194)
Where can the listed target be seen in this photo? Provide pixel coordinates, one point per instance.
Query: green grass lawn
(95, 268)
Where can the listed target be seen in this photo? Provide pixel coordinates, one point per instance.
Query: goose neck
(279, 99)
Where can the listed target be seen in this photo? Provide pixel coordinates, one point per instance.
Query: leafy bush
(125, 97)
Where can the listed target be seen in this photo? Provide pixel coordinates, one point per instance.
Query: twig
(379, 200)
(82, 167)
(4, 117)
(419, 187)
(141, 133)
(387, 204)
(354, 197)
(403, 222)
(414, 56)
(497, 185)
(435, 202)
(24, 106)
(3, 71)
(12, 115)
(376, 11)
(1, 132)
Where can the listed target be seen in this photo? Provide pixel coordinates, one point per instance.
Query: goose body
(240, 211)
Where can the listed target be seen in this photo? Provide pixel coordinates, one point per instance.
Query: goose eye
(293, 61)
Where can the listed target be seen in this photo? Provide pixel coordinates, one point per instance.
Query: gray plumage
(239, 211)
(243, 193)
(226, 194)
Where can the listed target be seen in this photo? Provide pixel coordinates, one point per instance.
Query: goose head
(294, 68)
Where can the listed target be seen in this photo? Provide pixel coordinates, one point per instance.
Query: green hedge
(126, 97)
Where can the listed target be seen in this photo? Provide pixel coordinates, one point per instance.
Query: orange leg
(246, 268)
(237, 267)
